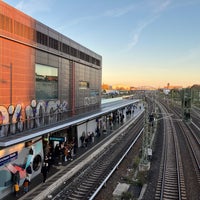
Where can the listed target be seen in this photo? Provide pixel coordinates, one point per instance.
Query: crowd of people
(86, 137)
(16, 182)
(57, 154)
(62, 152)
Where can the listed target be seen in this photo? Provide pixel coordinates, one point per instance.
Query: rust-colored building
(38, 64)
(45, 78)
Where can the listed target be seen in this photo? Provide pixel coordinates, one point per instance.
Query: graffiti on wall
(90, 101)
(38, 113)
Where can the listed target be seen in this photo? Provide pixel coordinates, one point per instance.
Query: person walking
(50, 161)
(86, 140)
(82, 138)
(44, 172)
(66, 153)
(74, 146)
(92, 135)
(16, 189)
(57, 153)
(46, 161)
(26, 184)
(16, 180)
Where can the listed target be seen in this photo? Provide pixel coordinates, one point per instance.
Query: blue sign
(60, 139)
(8, 158)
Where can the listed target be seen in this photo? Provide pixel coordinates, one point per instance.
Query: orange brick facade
(17, 58)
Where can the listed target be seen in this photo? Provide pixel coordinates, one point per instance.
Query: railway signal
(186, 104)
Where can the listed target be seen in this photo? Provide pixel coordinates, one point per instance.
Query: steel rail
(193, 144)
(86, 183)
(115, 167)
(194, 147)
(171, 166)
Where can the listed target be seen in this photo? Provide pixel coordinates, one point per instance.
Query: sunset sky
(142, 42)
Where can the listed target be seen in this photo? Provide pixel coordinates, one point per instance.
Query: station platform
(58, 170)
(71, 121)
(37, 185)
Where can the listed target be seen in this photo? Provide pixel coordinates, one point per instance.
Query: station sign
(8, 158)
(59, 139)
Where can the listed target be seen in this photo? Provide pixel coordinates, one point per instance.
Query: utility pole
(144, 163)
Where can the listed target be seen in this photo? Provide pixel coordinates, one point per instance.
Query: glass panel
(46, 82)
(83, 85)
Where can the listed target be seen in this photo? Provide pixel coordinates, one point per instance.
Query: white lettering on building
(11, 118)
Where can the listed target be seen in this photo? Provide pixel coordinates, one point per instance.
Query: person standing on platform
(26, 183)
(58, 154)
(66, 153)
(46, 161)
(16, 180)
(86, 140)
(44, 171)
(92, 135)
(16, 189)
(98, 131)
(50, 161)
(74, 146)
(82, 138)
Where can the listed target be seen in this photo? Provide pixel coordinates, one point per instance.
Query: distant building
(133, 88)
(196, 86)
(169, 87)
(121, 87)
(106, 87)
(114, 92)
(195, 89)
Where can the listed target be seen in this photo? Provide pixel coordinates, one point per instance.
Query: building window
(46, 82)
(98, 62)
(87, 58)
(53, 43)
(5, 23)
(73, 52)
(42, 38)
(65, 48)
(82, 55)
(84, 85)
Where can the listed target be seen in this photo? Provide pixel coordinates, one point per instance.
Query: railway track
(171, 183)
(190, 132)
(87, 184)
(195, 122)
(194, 148)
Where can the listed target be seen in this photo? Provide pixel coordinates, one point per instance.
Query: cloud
(112, 13)
(137, 33)
(118, 12)
(80, 20)
(32, 6)
(162, 6)
(157, 8)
